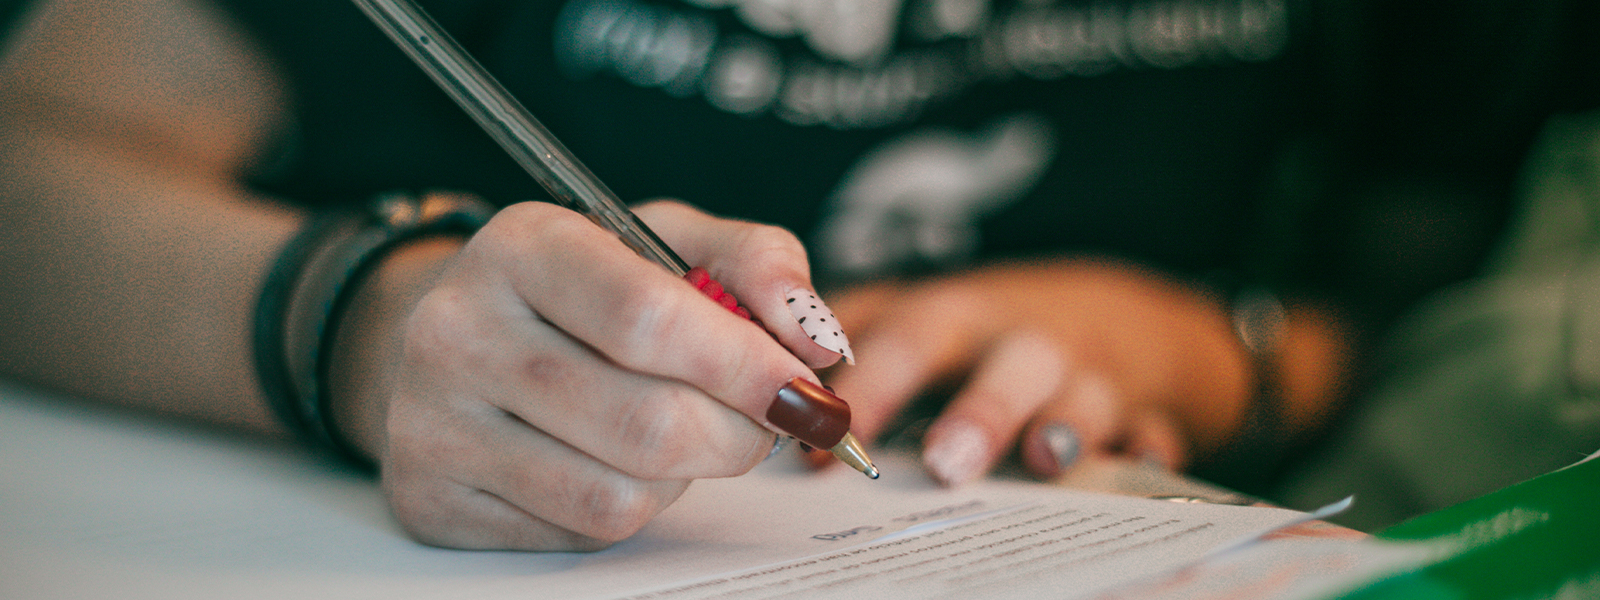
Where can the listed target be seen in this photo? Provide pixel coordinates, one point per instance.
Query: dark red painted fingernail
(810, 414)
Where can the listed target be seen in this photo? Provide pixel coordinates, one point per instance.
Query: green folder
(1536, 539)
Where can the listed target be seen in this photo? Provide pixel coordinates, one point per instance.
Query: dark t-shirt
(913, 133)
(1365, 151)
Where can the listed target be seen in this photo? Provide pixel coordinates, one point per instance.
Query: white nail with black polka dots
(819, 323)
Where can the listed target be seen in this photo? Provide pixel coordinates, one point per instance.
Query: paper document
(904, 537)
(101, 504)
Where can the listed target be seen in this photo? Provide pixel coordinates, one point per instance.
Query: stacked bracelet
(309, 285)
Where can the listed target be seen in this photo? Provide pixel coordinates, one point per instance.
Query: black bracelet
(309, 285)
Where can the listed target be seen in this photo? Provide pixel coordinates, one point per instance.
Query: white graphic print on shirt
(918, 197)
(862, 72)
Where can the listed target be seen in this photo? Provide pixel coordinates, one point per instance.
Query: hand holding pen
(564, 416)
(555, 392)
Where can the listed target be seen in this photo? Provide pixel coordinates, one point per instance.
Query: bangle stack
(311, 282)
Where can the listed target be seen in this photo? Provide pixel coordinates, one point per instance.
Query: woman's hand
(553, 390)
(1066, 357)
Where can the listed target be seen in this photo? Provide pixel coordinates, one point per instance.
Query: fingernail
(958, 454)
(819, 323)
(810, 414)
(1063, 444)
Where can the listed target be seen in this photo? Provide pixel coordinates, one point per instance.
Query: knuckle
(436, 325)
(514, 226)
(735, 454)
(428, 533)
(616, 507)
(417, 508)
(502, 228)
(654, 429)
(664, 206)
(442, 338)
(683, 435)
(418, 448)
(740, 451)
(547, 372)
(646, 315)
(526, 214)
(770, 243)
(759, 445)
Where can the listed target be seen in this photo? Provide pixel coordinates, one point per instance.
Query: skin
(523, 415)
(1134, 363)
(504, 412)
(537, 386)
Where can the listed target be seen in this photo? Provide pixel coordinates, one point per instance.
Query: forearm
(129, 284)
(132, 257)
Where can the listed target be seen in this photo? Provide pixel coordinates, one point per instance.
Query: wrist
(1312, 367)
(312, 284)
(1297, 369)
(364, 357)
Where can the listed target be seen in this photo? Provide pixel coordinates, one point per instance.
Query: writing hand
(555, 391)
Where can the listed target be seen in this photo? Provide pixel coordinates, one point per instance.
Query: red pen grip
(701, 280)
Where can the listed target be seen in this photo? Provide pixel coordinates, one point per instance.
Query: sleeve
(1509, 361)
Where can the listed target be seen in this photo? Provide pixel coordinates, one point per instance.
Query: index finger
(765, 267)
(583, 280)
(930, 332)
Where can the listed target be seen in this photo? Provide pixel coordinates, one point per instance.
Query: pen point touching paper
(851, 453)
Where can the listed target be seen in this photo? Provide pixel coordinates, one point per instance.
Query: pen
(803, 409)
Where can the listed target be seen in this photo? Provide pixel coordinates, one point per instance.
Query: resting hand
(1070, 357)
(555, 391)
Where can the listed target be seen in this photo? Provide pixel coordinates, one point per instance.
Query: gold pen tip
(851, 453)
